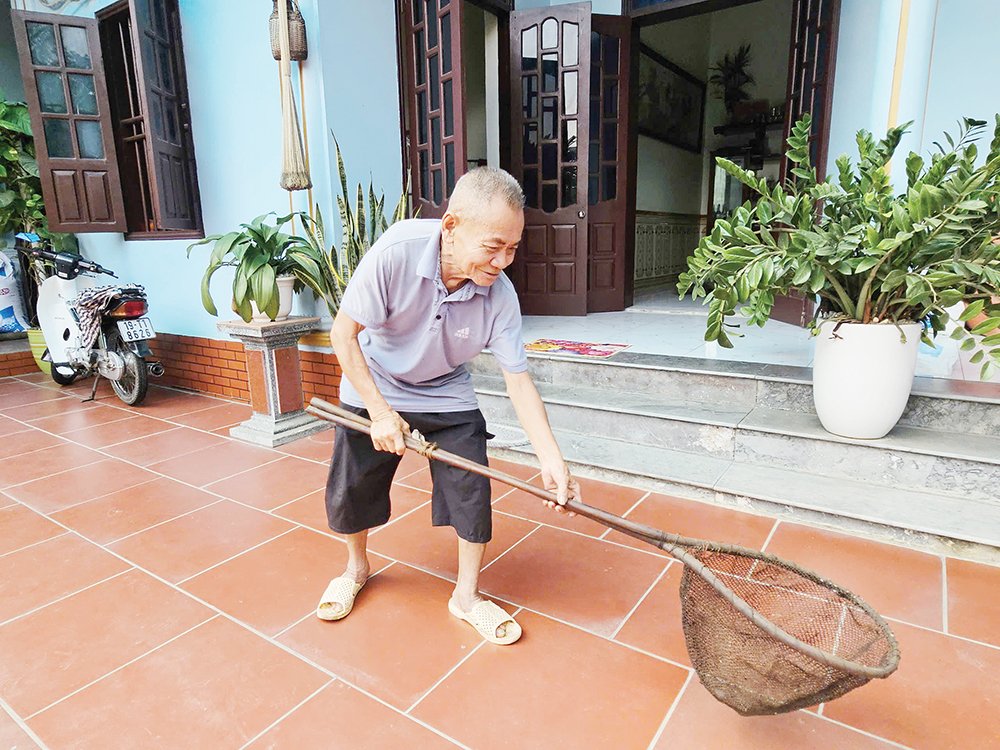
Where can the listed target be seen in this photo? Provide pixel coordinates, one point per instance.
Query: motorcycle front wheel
(131, 387)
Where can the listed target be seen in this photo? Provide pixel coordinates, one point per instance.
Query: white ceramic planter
(862, 376)
(285, 284)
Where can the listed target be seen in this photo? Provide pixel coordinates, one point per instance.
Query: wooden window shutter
(159, 62)
(70, 119)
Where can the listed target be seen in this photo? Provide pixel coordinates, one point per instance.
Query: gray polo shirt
(417, 337)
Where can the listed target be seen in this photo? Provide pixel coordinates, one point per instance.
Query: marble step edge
(904, 438)
(780, 494)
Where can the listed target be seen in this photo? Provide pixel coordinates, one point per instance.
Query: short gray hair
(477, 188)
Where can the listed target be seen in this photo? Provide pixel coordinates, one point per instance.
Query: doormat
(575, 348)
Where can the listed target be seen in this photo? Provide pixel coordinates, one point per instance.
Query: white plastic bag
(12, 317)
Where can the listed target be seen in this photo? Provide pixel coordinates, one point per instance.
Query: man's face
(484, 246)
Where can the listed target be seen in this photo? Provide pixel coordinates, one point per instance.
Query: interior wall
(474, 69)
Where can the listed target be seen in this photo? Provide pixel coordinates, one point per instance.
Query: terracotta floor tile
(46, 462)
(188, 545)
(944, 694)
(398, 641)
(215, 687)
(851, 563)
(50, 653)
(314, 450)
(9, 427)
(584, 581)
(75, 418)
(288, 574)
(28, 441)
(13, 736)
(21, 526)
(700, 721)
(166, 403)
(119, 514)
(214, 463)
(699, 520)
(309, 511)
(372, 725)
(29, 394)
(656, 624)
(974, 601)
(60, 491)
(102, 435)
(6, 500)
(50, 408)
(38, 575)
(273, 484)
(561, 688)
(415, 541)
(419, 480)
(174, 442)
(214, 417)
(612, 498)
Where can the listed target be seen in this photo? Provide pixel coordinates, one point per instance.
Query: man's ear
(448, 224)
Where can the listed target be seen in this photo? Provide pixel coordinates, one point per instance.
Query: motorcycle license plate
(136, 329)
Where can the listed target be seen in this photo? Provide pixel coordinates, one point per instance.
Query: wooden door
(550, 93)
(67, 100)
(435, 100)
(611, 161)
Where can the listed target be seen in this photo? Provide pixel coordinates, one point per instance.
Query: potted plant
(886, 267)
(731, 76)
(267, 262)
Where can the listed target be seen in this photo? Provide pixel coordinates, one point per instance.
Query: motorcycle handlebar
(54, 257)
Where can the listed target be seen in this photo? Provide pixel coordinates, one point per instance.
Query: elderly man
(428, 297)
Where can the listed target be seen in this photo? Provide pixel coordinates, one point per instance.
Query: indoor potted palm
(887, 268)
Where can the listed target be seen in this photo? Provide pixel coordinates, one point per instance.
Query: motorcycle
(93, 330)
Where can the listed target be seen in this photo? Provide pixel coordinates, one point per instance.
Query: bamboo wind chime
(294, 171)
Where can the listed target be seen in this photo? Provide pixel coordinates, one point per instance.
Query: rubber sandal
(486, 617)
(341, 591)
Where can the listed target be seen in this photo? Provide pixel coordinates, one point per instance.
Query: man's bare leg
(470, 563)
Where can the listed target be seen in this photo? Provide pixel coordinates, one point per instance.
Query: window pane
(418, 12)
(568, 186)
(422, 117)
(50, 92)
(88, 137)
(569, 140)
(529, 49)
(82, 94)
(449, 128)
(550, 197)
(611, 99)
(571, 44)
(170, 112)
(438, 188)
(449, 167)
(529, 148)
(434, 82)
(595, 48)
(419, 55)
(610, 183)
(444, 3)
(570, 78)
(550, 161)
(155, 114)
(611, 55)
(549, 118)
(550, 71)
(75, 51)
(529, 96)
(594, 158)
(531, 188)
(609, 144)
(425, 176)
(435, 140)
(550, 33)
(166, 75)
(446, 43)
(595, 120)
(432, 27)
(58, 141)
(594, 189)
(159, 17)
(42, 43)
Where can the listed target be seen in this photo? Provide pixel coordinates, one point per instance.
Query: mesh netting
(750, 670)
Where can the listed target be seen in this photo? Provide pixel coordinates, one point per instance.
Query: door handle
(581, 214)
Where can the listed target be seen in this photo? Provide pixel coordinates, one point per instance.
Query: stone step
(938, 522)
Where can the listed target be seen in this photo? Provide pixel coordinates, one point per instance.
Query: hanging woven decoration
(294, 172)
(297, 45)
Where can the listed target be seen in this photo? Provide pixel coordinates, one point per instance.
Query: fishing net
(746, 664)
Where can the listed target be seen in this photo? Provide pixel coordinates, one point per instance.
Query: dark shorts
(357, 491)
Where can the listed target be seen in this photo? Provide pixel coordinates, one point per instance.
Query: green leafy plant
(330, 269)
(21, 206)
(261, 253)
(870, 255)
(731, 76)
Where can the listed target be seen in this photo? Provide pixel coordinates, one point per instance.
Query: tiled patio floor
(158, 582)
